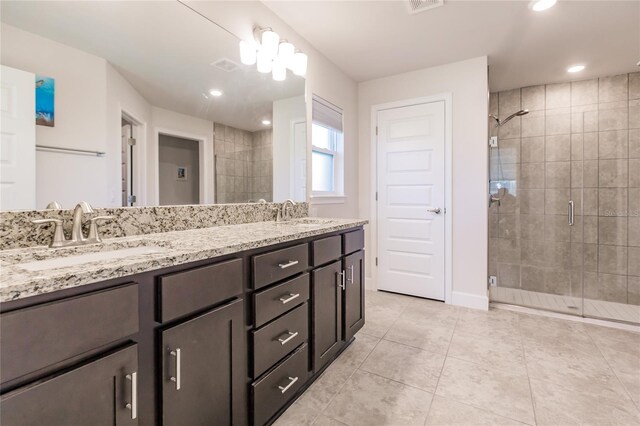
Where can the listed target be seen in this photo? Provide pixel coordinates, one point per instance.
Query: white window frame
(322, 197)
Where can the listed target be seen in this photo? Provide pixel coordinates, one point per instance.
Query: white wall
(285, 112)
(324, 78)
(467, 82)
(80, 99)
(176, 124)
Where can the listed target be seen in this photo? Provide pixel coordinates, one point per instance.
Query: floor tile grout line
(613, 371)
(526, 369)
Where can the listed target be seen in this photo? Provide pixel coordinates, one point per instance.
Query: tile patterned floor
(418, 362)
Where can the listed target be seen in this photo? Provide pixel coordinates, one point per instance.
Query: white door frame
(203, 162)
(448, 252)
(140, 153)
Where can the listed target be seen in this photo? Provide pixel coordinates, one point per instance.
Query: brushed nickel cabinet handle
(342, 283)
(133, 406)
(176, 378)
(289, 298)
(350, 280)
(288, 264)
(292, 380)
(288, 336)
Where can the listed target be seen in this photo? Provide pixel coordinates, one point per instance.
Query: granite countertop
(164, 250)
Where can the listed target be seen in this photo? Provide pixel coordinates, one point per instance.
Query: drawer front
(37, 337)
(280, 264)
(185, 292)
(353, 241)
(279, 299)
(274, 390)
(277, 339)
(326, 250)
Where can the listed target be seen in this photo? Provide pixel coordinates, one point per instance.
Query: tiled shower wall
(580, 139)
(244, 165)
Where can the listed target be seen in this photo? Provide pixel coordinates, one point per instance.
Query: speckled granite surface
(17, 231)
(175, 248)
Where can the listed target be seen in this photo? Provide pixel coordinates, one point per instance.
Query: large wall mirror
(140, 104)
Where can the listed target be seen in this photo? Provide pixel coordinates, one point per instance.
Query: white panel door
(17, 140)
(411, 188)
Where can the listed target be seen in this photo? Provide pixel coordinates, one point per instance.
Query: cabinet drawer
(275, 389)
(40, 336)
(278, 338)
(280, 264)
(326, 250)
(279, 299)
(96, 393)
(353, 241)
(184, 292)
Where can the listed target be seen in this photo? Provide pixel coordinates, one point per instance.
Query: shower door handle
(571, 213)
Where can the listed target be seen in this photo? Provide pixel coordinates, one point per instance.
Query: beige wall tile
(590, 257)
(612, 259)
(555, 201)
(612, 231)
(558, 174)
(533, 252)
(532, 124)
(557, 254)
(634, 201)
(634, 261)
(590, 229)
(493, 225)
(533, 98)
(508, 102)
(557, 281)
(613, 119)
(591, 196)
(556, 228)
(577, 146)
(613, 201)
(531, 201)
(511, 129)
(634, 230)
(532, 278)
(584, 92)
(509, 275)
(532, 149)
(613, 144)
(633, 291)
(557, 122)
(558, 95)
(590, 142)
(532, 175)
(590, 173)
(613, 173)
(612, 288)
(634, 114)
(577, 169)
(634, 173)
(508, 226)
(558, 147)
(530, 226)
(508, 151)
(615, 88)
(634, 85)
(509, 250)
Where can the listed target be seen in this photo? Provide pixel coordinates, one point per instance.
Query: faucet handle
(58, 234)
(93, 227)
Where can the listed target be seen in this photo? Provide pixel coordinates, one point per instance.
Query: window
(326, 149)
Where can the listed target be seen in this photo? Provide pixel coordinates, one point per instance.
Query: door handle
(290, 335)
(289, 298)
(288, 264)
(571, 213)
(178, 357)
(292, 380)
(435, 210)
(133, 406)
(342, 283)
(350, 280)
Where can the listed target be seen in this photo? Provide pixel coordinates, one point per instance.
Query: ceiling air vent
(225, 65)
(417, 6)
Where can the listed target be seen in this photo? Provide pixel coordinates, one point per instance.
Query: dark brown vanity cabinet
(327, 291)
(202, 369)
(353, 314)
(102, 392)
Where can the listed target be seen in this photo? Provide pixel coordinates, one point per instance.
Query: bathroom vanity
(223, 325)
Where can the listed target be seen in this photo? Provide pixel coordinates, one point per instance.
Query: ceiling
(165, 51)
(372, 39)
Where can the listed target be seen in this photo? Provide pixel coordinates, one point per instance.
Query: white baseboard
(469, 300)
(370, 284)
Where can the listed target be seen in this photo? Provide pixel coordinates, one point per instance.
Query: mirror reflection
(139, 104)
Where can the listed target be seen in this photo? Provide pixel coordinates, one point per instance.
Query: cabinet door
(353, 294)
(203, 367)
(96, 393)
(327, 313)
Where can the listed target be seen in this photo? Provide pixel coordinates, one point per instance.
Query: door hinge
(493, 142)
(376, 195)
(376, 261)
(131, 141)
(131, 199)
(376, 130)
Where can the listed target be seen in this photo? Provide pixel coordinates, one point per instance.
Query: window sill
(327, 199)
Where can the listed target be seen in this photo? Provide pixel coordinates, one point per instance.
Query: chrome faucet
(77, 236)
(282, 212)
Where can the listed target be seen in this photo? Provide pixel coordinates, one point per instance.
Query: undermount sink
(99, 256)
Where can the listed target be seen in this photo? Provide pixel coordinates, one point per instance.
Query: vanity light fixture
(575, 68)
(266, 122)
(540, 5)
(215, 92)
(272, 55)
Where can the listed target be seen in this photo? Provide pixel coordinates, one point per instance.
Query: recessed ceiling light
(266, 122)
(575, 68)
(540, 5)
(215, 92)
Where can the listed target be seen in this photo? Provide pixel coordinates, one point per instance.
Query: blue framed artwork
(45, 105)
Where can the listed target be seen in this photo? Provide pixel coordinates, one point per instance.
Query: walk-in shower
(565, 197)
